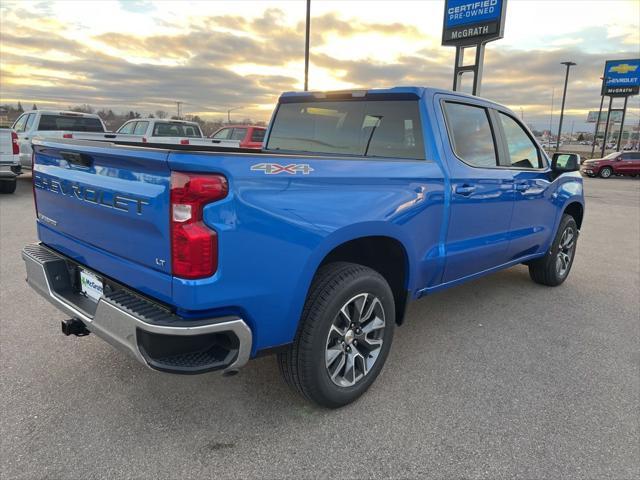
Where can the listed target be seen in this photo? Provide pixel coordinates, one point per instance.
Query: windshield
(611, 156)
(70, 123)
(384, 128)
(176, 130)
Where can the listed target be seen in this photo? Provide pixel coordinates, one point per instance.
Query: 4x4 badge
(275, 168)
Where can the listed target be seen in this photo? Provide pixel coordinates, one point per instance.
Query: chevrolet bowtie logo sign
(624, 68)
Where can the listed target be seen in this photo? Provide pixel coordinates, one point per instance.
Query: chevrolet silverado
(311, 248)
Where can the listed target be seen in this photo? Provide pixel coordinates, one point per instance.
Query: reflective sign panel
(468, 22)
(621, 77)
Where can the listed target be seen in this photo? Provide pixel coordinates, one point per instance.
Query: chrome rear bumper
(147, 330)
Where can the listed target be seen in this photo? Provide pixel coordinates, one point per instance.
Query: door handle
(521, 186)
(465, 189)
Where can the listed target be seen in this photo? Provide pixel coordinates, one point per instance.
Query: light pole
(553, 94)
(306, 47)
(229, 113)
(564, 96)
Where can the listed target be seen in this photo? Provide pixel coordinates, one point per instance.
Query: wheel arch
(576, 210)
(386, 255)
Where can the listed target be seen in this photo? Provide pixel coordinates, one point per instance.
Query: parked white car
(9, 160)
(51, 124)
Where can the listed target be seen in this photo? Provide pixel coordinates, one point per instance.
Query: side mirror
(565, 162)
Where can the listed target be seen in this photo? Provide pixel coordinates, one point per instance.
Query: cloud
(199, 64)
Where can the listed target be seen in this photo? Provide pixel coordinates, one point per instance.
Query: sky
(214, 56)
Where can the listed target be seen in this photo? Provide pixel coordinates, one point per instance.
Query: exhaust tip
(73, 326)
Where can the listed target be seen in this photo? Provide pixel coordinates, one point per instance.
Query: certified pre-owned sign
(621, 77)
(473, 21)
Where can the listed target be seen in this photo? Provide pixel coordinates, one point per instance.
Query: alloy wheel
(566, 250)
(355, 340)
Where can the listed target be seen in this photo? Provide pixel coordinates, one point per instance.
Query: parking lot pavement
(499, 378)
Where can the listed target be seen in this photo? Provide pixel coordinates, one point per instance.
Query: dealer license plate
(90, 285)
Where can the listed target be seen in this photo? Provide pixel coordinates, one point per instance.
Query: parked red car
(250, 136)
(616, 163)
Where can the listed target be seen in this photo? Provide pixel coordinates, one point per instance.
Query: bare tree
(84, 108)
(161, 114)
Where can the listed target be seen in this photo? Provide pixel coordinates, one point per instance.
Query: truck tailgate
(113, 199)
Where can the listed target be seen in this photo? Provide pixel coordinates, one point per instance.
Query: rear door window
(71, 123)
(370, 128)
(522, 149)
(470, 134)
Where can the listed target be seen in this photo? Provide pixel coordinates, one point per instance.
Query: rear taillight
(194, 246)
(15, 144)
(67, 135)
(184, 141)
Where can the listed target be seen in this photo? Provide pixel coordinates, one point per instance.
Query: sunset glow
(218, 55)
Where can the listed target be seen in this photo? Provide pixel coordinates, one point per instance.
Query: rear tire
(554, 267)
(344, 337)
(8, 186)
(606, 172)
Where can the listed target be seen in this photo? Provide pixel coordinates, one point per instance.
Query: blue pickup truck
(359, 202)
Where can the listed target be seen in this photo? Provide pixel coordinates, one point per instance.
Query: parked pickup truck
(9, 160)
(311, 248)
(160, 133)
(87, 126)
(51, 124)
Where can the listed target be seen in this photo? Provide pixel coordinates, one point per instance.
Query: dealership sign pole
(595, 134)
(469, 24)
(621, 79)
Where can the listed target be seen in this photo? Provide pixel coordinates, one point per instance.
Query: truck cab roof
(393, 92)
(64, 113)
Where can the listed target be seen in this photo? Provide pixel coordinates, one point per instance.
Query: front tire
(344, 337)
(606, 172)
(554, 267)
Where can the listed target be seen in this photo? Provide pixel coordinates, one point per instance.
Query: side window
(257, 135)
(30, 119)
(522, 151)
(238, 134)
(222, 134)
(127, 128)
(470, 134)
(20, 123)
(140, 128)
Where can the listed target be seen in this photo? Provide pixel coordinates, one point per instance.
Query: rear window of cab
(365, 128)
(70, 123)
(176, 130)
